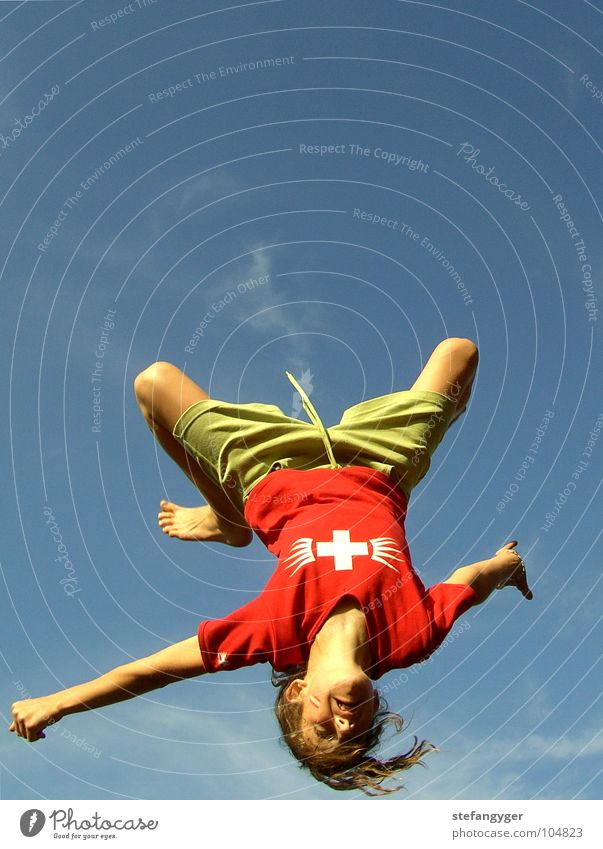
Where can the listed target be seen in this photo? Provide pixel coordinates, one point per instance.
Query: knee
(460, 348)
(150, 381)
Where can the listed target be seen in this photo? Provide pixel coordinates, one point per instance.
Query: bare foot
(201, 523)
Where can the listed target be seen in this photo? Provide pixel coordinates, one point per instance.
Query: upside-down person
(344, 605)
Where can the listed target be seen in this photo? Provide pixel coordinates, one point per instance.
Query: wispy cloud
(261, 307)
(243, 758)
(204, 189)
(501, 768)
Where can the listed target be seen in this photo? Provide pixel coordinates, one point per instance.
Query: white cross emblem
(342, 549)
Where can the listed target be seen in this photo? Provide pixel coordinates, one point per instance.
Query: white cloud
(201, 190)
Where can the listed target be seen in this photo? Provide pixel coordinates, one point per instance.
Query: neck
(342, 640)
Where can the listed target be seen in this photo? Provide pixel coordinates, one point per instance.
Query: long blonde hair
(347, 766)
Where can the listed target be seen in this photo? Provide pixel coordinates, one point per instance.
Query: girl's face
(337, 706)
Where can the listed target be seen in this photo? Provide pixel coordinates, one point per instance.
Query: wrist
(493, 566)
(487, 576)
(61, 705)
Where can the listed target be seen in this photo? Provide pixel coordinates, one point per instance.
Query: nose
(343, 724)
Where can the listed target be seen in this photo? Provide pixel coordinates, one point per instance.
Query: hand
(31, 716)
(512, 569)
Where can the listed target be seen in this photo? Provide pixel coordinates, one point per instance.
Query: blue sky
(476, 126)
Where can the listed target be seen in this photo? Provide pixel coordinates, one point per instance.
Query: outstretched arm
(505, 569)
(175, 663)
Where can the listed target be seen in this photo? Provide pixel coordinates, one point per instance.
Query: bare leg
(450, 371)
(163, 393)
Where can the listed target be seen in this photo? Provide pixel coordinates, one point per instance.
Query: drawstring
(315, 419)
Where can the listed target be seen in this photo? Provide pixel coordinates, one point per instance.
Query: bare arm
(505, 569)
(175, 663)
